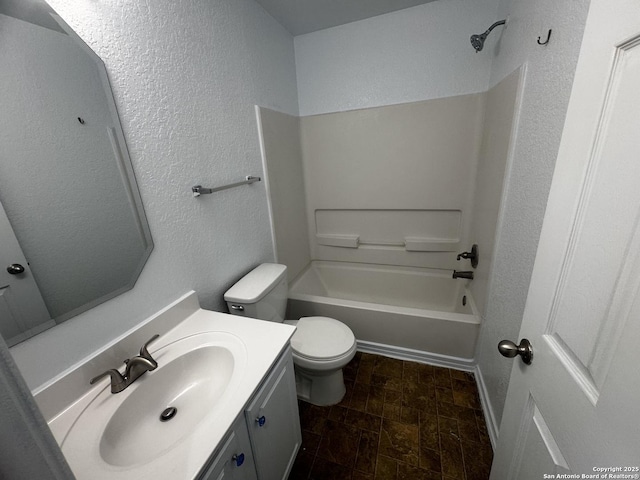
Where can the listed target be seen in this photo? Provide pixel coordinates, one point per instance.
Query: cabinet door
(274, 423)
(235, 460)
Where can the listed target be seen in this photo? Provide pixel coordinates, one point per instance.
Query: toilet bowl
(321, 346)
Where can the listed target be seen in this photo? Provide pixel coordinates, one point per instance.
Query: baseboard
(489, 416)
(465, 364)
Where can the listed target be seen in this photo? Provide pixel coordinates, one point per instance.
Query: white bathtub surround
(392, 185)
(402, 308)
(284, 180)
(494, 160)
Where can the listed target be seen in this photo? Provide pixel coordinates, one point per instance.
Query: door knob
(15, 269)
(509, 349)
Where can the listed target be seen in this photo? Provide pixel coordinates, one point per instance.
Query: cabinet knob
(238, 458)
(261, 420)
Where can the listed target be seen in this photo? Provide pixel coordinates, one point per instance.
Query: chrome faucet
(468, 275)
(135, 367)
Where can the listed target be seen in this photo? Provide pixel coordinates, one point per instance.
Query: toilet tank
(261, 293)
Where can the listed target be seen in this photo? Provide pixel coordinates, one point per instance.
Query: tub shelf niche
(347, 241)
(420, 238)
(410, 244)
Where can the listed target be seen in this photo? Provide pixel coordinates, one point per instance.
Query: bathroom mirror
(73, 232)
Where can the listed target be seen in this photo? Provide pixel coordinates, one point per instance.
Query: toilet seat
(321, 338)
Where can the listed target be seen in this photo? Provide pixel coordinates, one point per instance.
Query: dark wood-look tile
(346, 400)
(462, 375)
(391, 411)
(429, 437)
(457, 412)
(363, 421)
(430, 459)
(388, 367)
(442, 376)
(365, 371)
(338, 413)
(469, 431)
(359, 397)
(477, 460)
(426, 374)
(302, 466)
(393, 397)
(451, 457)
(386, 468)
(356, 475)
(310, 442)
(339, 443)
(410, 372)
(482, 430)
(399, 420)
(368, 358)
(367, 452)
(388, 383)
(410, 416)
(400, 441)
(313, 418)
(466, 399)
(323, 469)
(420, 396)
(448, 427)
(444, 394)
(411, 472)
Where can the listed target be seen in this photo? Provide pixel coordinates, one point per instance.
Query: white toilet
(321, 346)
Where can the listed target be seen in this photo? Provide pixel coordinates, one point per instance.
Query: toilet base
(320, 388)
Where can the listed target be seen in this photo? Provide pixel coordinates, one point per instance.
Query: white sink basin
(196, 375)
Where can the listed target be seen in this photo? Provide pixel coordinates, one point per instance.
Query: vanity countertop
(263, 341)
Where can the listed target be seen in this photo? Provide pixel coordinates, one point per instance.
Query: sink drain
(168, 413)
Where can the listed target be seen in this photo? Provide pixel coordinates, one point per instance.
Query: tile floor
(398, 421)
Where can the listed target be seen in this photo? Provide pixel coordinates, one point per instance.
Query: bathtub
(409, 308)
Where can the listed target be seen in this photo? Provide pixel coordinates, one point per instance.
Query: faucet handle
(118, 382)
(472, 255)
(144, 353)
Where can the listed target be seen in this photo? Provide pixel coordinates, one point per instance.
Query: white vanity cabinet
(263, 443)
(274, 423)
(235, 460)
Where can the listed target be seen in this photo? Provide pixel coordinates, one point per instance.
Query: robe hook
(547, 40)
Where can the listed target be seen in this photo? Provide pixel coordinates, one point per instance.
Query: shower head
(477, 41)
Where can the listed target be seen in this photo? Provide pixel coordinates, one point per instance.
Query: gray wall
(185, 76)
(548, 78)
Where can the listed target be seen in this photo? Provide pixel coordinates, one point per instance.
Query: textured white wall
(185, 77)
(410, 55)
(549, 75)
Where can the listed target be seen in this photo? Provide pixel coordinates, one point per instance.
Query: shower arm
(497, 24)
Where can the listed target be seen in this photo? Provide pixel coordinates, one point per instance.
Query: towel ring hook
(547, 40)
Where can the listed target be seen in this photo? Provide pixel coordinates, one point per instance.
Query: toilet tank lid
(256, 284)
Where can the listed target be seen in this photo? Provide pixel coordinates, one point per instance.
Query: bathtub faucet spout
(468, 275)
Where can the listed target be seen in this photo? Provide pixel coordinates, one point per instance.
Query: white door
(576, 408)
(22, 309)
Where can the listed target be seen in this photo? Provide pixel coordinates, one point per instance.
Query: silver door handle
(509, 349)
(15, 269)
